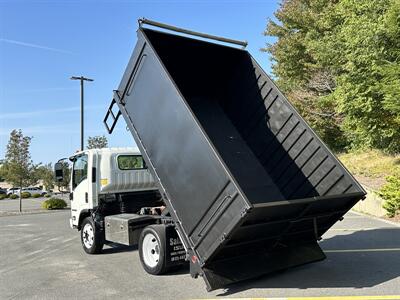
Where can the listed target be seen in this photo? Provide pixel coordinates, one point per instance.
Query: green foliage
(362, 34)
(97, 142)
(338, 62)
(18, 168)
(54, 203)
(391, 193)
(3, 196)
(13, 196)
(36, 195)
(25, 195)
(306, 78)
(374, 166)
(47, 195)
(46, 174)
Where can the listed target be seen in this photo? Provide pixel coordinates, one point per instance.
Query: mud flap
(175, 252)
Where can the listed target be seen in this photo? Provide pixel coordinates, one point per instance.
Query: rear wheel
(152, 249)
(92, 238)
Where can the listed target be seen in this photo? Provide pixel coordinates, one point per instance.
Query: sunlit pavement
(28, 204)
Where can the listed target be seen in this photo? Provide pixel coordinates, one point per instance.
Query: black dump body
(250, 186)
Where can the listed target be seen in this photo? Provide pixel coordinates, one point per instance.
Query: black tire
(92, 238)
(155, 233)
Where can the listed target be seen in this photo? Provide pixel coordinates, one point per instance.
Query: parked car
(31, 190)
(3, 191)
(13, 190)
(34, 190)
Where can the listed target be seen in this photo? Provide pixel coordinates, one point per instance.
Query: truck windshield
(80, 170)
(130, 162)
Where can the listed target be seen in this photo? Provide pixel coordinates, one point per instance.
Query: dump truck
(247, 187)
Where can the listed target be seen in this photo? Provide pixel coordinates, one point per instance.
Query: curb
(375, 218)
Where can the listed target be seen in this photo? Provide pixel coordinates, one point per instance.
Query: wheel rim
(151, 250)
(88, 235)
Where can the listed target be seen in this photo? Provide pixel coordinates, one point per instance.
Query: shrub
(54, 203)
(3, 196)
(47, 195)
(25, 195)
(390, 192)
(13, 196)
(36, 195)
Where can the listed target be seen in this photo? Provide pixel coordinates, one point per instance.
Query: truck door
(80, 187)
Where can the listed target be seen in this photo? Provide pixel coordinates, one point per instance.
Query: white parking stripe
(361, 229)
(360, 250)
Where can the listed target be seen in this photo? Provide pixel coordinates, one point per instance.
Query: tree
(362, 36)
(1, 166)
(46, 174)
(338, 62)
(307, 78)
(97, 142)
(18, 168)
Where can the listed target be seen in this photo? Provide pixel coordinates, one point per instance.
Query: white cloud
(30, 45)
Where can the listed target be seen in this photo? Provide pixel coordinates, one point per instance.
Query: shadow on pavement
(117, 248)
(356, 269)
(111, 248)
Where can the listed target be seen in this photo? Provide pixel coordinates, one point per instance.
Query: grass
(371, 163)
(378, 171)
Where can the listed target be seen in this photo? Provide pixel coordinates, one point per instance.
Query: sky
(45, 42)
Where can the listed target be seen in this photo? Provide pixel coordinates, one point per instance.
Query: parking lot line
(361, 250)
(393, 297)
(361, 229)
(376, 297)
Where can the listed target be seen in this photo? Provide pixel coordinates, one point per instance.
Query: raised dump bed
(249, 185)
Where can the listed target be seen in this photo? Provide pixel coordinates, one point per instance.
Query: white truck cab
(98, 173)
(114, 198)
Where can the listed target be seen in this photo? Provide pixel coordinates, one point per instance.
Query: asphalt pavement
(29, 205)
(41, 258)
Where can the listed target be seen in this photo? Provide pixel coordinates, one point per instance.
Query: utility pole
(82, 79)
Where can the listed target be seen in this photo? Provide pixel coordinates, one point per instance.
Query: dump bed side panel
(241, 172)
(268, 148)
(293, 155)
(191, 176)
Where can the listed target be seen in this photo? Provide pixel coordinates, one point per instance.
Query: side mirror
(59, 171)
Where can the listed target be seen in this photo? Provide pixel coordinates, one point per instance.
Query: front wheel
(152, 249)
(92, 238)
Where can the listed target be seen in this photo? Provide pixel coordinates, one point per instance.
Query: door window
(80, 170)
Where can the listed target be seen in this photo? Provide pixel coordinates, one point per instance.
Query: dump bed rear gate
(250, 186)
